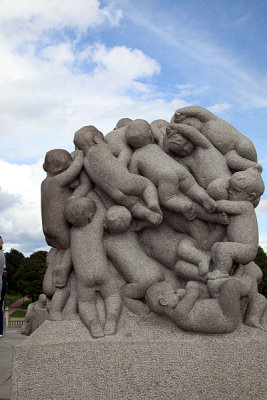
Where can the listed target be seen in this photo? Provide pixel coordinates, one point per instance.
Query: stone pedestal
(148, 359)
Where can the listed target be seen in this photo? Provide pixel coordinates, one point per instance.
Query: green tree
(261, 261)
(30, 275)
(13, 260)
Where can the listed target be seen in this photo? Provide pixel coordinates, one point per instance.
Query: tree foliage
(29, 276)
(25, 274)
(13, 260)
(261, 261)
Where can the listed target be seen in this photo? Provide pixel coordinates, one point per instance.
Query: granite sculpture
(35, 316)
(157, 218)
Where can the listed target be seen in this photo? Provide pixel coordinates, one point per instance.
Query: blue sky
(74, 63)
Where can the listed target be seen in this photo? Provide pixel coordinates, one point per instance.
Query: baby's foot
(254, 324)
(258, 167)
(223, 219)
(203, 267)
(179, 117)
(154, 218)
(56, 316)
(188, 211)
(96, 329)
(214, 286)
(110, 325)
(209, 204)
(217, 274)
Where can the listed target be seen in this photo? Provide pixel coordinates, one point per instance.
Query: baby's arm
(125, 156)
(233, 207)
(133, 167)
(194, 111)
(66, 177)
(186, 304)
(192, 134)
(84, 187)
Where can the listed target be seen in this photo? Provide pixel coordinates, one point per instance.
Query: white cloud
(216, 108)
(33, 17)
(20, 223)
(262, 207)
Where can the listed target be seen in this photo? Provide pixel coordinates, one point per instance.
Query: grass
(18, 314)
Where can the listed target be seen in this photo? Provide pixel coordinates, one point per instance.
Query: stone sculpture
(147, 201)
(35, 316)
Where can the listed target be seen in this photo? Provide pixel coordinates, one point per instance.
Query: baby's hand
(209, 204)
(189, 211)
(77, 153)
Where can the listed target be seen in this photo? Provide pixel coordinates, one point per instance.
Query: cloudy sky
(74, 63)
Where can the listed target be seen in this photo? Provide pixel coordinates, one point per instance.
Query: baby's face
(236, 190)
(180, 146)
(171, 298)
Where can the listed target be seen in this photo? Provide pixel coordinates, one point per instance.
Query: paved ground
(7, 342)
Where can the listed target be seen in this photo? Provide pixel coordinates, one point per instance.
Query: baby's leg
(172, 199)
(62, 268)
(198, 194)
(141, 212)
(256, 308)
(71, 308)
(57, 303)
(112, 300)
(229, 301)
(224, 254)
(188, 271)
(48, 287)
(188, 250)
(239, 163)
(87, 309)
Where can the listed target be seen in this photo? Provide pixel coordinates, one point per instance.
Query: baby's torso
(243, 228)
(155, 164)
(207, 165)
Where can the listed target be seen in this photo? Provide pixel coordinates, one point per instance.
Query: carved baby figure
(127, 255)
(242, 231)
(116, 140)
(200, 156)
(87, 216)
(238, 150)
(188, 312)
(55, 192)
(113, 177)
(171, 179)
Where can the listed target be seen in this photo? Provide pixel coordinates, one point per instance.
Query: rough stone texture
(149, 358)
(107, 207)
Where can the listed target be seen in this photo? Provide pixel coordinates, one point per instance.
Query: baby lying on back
(114, 179)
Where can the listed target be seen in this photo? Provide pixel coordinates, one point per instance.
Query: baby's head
(246, 185)
(57, 161)
(42, 299)
(118, 219)
(122, 123)
(80, 210)
(175, 143)
(138, 133)
(87, 137)
(163, 295)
